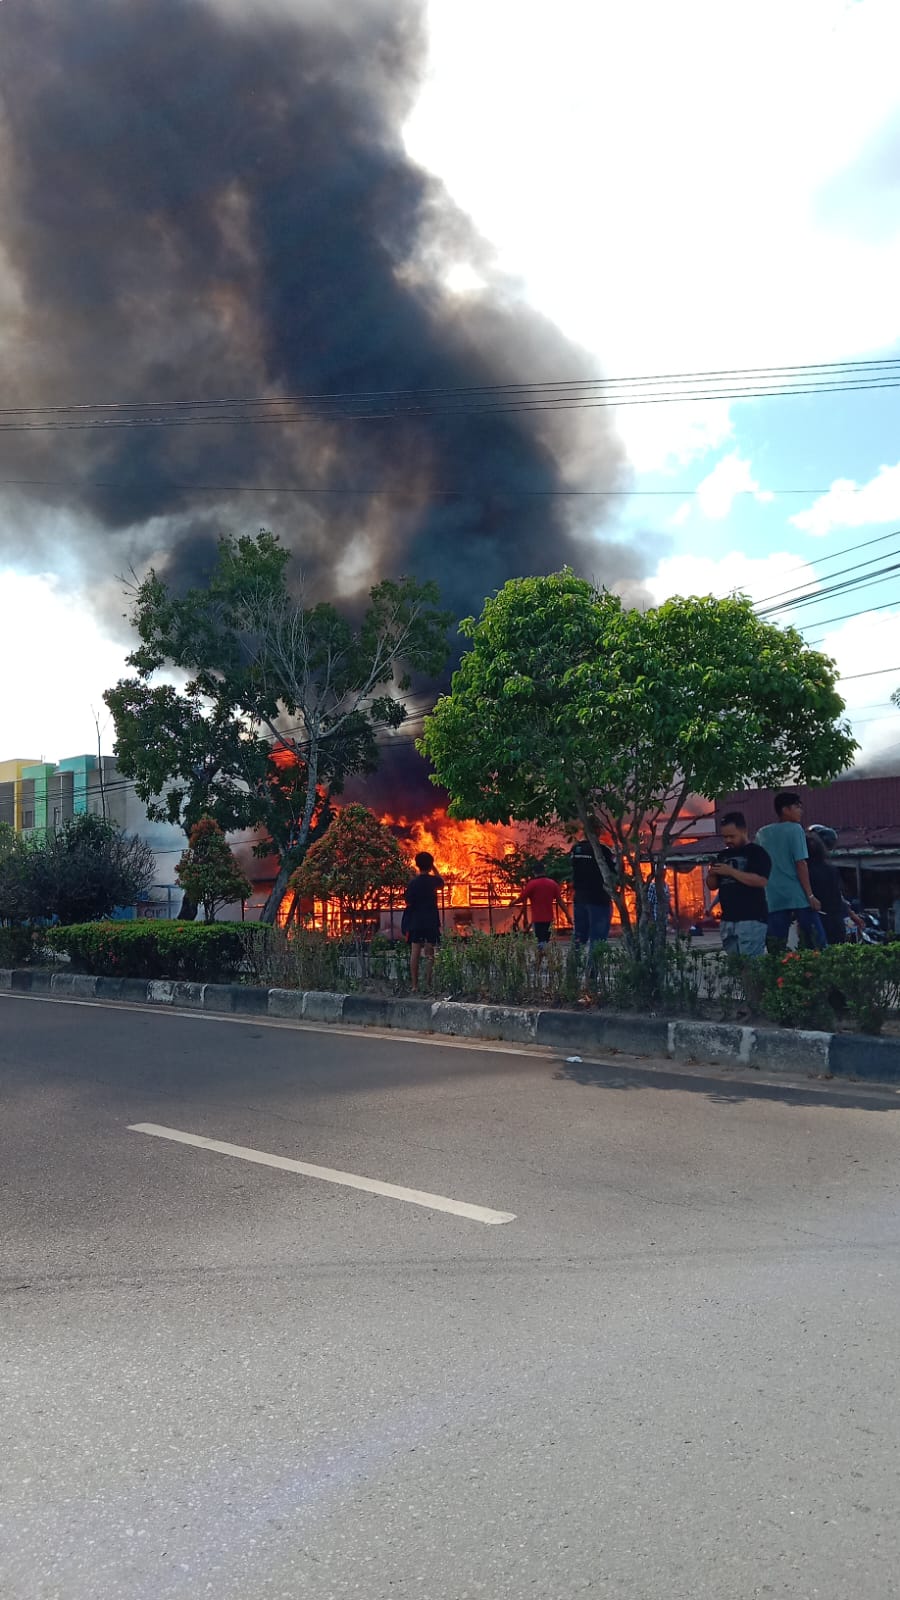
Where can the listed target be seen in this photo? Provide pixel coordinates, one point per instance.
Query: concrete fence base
(585, 1033)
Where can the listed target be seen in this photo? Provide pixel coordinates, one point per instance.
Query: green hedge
(204, 952)
(801, 989)
(811, 988)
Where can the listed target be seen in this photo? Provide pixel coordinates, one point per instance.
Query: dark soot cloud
(213, 199)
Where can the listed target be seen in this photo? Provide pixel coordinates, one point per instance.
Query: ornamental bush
(796, 989)
(868, 980)
(204, 952)
(805, 988)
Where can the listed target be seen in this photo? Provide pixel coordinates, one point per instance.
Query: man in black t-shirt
(592, 906)
(740, 873)
(422, 918)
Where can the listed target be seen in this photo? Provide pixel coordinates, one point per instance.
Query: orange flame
(462, 852)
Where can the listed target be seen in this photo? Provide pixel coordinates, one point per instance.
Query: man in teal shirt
(788, 892)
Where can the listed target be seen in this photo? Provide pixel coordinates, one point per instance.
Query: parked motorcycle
(871, 931)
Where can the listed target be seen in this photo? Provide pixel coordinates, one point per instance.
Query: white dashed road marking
(350, 1180)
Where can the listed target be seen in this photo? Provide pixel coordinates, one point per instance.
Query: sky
(681, 188)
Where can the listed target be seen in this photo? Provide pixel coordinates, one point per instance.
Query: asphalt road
(673, 1376)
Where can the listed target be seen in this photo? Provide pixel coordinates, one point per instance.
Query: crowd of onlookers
(763, 888)
(783, 877)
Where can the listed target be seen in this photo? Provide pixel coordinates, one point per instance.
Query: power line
(877, 672)
(847, 616)
(376, 491)
(559, 405)
(847, 550)
(813, 596)
(704, 375)
(470, 400)
(781, 595)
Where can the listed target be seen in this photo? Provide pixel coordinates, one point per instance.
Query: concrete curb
(587, 1033)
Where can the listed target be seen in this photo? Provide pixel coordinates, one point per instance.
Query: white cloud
(729, 477)
(871, 645)
(868, 645)
(687, 215)
(51, 647)
(667, 437)
(854, 505)
(759, 576)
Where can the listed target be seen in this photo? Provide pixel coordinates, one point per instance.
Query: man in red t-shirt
(542, 893)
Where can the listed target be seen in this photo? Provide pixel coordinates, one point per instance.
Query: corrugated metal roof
(863, 806)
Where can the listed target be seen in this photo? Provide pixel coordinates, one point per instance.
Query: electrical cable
(875, 673)
(433, 414)
(813, 596)
(375, 491)
(849, 368)
(847, 616)
(846, 551)
(780, 597)
(555, 395)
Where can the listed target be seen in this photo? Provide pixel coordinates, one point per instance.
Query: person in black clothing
(825, 881)
(592, 907)
(421, 919)
(739, 874)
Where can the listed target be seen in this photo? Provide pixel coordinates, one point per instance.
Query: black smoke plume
(205, 199)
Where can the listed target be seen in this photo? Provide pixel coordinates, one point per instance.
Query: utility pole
(96, 717)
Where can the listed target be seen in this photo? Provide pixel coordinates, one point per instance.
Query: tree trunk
(294, 856)
(277, 892)
(189, 908)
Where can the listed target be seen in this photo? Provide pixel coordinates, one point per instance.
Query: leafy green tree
(13, 889)
(268, 674)
(357, 859)
(208, 871)
(569, 706)
(84, 870)
(188, 756)
(191, 756)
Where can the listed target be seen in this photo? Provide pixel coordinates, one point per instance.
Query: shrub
(796, 989)
(18, 946)
(691, 980)
(294, 958)
(503, 968)
(201, 952)
(867, 978)
(83, 870)
(804, 988)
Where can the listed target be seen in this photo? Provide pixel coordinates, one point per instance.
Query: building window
(27, 819)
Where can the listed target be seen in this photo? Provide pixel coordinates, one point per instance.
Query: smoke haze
(212, 200)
